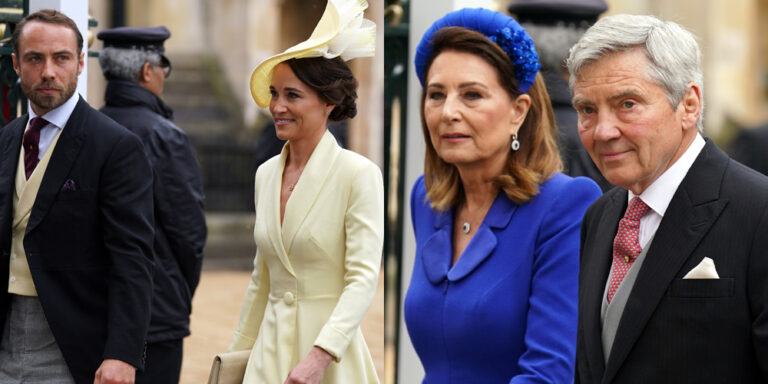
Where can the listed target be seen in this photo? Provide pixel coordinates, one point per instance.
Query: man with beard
(76, 224)
(135, 66)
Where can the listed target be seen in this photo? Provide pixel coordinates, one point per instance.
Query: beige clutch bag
(229, 367)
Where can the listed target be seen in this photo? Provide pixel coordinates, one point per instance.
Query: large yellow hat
(341, 31)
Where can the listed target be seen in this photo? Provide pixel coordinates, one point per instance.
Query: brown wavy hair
(538, 157)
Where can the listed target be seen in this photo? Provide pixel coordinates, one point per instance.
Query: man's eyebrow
(580, 101)
(623, 94)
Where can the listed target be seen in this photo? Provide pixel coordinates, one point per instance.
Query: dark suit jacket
(675, 330)
(89, 245)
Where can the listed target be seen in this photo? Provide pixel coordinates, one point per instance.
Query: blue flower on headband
(519, 47)
(499, 28)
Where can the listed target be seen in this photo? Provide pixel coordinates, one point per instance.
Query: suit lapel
(311, 182)
(437, 251)
(274, 229)
(692, 211)
(63, 157)
(594, 273)
(8, 167)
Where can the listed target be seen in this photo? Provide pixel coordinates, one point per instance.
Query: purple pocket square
(69, 186)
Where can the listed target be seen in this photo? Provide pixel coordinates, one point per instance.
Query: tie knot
(637, 209)
(37, 123)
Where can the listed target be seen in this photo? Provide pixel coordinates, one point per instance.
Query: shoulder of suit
(145, 122)
(6, 129)
(740, 179)
(267, 167)
(106, 125)
(560, 183)
(354, 162)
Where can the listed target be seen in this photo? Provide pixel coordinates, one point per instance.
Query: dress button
(13, 279)
(289, 298)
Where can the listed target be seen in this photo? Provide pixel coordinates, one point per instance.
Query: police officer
(135, 67)
(555, 26)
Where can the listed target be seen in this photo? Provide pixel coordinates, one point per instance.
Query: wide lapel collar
(594, 273)
(63, 157)
(308, 188)
(9, 166)
(274, 229)
(693, 209)
(437, 251)
(11, 155)
(484, 241)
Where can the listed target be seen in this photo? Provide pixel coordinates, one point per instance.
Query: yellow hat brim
(261, 78)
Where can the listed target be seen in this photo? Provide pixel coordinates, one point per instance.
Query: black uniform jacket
(179, 220)
(89, 244)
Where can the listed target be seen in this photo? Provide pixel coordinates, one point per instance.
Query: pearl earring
(515, 143)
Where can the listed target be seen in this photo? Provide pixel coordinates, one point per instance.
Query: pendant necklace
(291, 186)
(466, 227)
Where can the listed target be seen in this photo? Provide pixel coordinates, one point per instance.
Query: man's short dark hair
(50, 16)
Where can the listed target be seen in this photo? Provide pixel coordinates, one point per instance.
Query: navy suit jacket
(89, 245)
(506, 311)
(676, 330)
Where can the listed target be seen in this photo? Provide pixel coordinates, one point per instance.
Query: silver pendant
(465, 227)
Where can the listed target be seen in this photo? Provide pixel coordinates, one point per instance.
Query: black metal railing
(228, 172)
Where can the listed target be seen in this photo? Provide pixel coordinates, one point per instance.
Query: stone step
(181, 100)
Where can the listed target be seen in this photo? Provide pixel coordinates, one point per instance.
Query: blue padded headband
(499, 28)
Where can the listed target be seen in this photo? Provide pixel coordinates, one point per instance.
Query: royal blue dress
(506, 312)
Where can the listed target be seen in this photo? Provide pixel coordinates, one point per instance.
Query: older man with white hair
(135, 65)
(674, 264)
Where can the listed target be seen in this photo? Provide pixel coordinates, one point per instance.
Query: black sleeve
(179, 190)
(126, 207)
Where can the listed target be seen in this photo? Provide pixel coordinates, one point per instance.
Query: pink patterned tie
(626, 244)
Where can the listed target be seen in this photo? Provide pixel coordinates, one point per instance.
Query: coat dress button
(289, 298)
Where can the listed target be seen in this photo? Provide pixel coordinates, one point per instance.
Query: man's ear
(146, 73)
(691, 106)
(15, 61)
(80, 63)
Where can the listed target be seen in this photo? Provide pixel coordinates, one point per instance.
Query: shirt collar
(659, 194)
(59, 115)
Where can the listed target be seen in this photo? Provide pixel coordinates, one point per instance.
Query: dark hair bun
(332, 80)
(347, 107)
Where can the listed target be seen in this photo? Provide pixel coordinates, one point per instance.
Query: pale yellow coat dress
(316, 274)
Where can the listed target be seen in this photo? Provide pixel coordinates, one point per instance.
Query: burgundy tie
(31, 142)
(626, 244)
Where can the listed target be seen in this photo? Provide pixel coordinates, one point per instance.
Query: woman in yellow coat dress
(319, 217)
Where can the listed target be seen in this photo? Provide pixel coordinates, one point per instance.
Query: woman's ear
(518, 112)
(329, 108)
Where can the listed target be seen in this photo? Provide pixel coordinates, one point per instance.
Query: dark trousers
(163, 364)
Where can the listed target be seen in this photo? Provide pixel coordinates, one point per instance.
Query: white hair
(672, 51)
(126, 64)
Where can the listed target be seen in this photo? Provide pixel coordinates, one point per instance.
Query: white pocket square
(705, 270)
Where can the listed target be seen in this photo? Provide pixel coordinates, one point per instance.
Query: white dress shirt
(658, 195)
(57, 119)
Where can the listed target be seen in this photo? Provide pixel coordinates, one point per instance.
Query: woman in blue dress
(493, 296)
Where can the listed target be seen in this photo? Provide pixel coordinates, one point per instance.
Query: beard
(49, 102)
